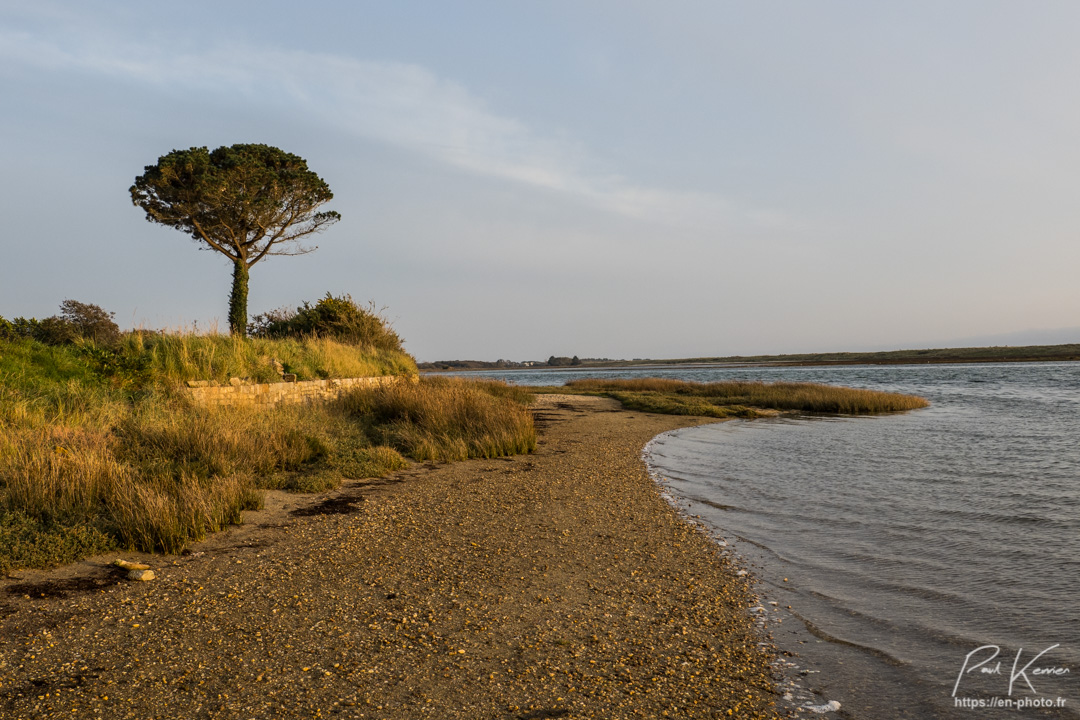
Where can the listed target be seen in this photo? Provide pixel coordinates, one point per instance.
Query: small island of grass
(744, 399)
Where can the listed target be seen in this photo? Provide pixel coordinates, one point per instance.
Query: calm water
(907, 541)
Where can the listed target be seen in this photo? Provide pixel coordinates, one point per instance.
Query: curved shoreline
(557, 584)
(796, 698)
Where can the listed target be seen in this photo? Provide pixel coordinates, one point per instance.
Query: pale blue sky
(618, 179)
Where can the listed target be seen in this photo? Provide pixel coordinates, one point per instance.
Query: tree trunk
(238, 299)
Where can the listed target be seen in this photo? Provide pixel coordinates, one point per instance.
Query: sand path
(558, 584)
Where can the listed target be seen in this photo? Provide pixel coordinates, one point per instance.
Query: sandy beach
(557, 584)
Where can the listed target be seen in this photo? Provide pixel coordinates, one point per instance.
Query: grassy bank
(744, 399)
(175, 358)
(101, 449)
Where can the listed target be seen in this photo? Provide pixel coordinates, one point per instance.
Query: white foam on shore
(791, 690)
(831, 706)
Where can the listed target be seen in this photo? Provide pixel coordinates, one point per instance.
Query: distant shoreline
(939, 356)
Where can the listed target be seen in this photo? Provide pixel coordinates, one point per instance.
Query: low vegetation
(333, 338)
(100, 448)
(744, 399)
(444, 420)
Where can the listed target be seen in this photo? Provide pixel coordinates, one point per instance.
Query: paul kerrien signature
(985, 669)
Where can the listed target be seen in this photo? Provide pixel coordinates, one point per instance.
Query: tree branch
(206, 238)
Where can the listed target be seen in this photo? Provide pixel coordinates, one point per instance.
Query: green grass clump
(745, 399)
(354, 462)
(664, 404)
(26, 541)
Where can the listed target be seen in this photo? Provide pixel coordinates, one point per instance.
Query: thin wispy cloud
(402, 104)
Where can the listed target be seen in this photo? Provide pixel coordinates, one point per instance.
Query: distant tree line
(563, 361)
(553, 361)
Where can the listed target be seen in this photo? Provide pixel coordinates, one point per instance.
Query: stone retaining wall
(270, 394)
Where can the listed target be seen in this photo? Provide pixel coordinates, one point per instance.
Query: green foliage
(244, 201)
(563, 361)
(24, 328)
(355, 462)
(55, 331)
(666, 404)
(31, 542)
(90, 322)
(41, 374)
(122, 368)
(238, 297)
(77, 321)
(141, 359)
(337, 318)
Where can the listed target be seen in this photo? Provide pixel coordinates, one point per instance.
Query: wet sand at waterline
(557, 584)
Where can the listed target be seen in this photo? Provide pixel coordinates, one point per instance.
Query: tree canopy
(246, 202)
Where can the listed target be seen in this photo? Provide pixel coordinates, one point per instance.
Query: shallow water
(908, 541)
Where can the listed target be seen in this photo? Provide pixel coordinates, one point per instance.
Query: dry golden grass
(443, 419)
(177, 357)
(160, 477)
(86, 465)
(58, 473)
(164, 513)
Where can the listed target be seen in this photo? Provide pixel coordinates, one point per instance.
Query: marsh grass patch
(441, 419)
(745, 399)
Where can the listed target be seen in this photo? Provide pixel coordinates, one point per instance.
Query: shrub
(55, 331)
(24, 328)
(90, 322)
(32, 542)
(337, 318)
